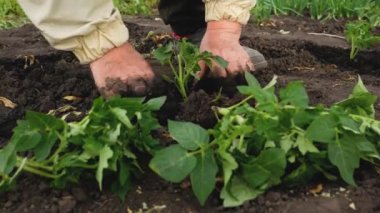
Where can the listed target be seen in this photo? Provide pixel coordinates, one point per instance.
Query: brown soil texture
(37, 77)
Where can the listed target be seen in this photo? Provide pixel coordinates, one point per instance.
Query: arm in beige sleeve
(230, 10)
(89, 28)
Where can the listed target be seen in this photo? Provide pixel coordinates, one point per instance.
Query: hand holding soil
(222, 39)
(122, 71)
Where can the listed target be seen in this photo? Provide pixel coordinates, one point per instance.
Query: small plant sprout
(183, 58)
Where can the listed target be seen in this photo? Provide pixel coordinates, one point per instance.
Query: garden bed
(36, 77)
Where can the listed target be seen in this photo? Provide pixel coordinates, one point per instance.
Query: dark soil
(36, 77)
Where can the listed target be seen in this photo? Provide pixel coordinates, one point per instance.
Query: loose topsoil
(37, 77)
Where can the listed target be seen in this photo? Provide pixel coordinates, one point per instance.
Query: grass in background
(11, 14)
(316, 9)
(135, 7)
(364, 13)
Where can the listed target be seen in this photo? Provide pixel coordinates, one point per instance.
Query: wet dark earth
(37, 77)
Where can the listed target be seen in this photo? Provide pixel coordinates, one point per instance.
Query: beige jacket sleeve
(89, 28)
(231, 10)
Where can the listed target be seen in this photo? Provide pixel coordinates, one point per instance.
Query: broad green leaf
(303, 118)
(130, 104)
(124, 171)
(173, 163)
(345, 155)
(266, 169)
(164, 53)
(26, 140)
(204, 175)
(238, 193)
(190, 136)
(301, 175)
(360, 101)
(43, 122)
(104, 154)
(229, 165)
(92, 146)
(359, 87)
(155, 103)
(362, 104)
(365, 147)
(322, 129)
(262, 96)
(121, 114)
(286, 143)
(114, 134)
(251, 80)
(305, 145)
(7, 158)
(25, 137)
(43, 149)
(349, 124)
(294, 94)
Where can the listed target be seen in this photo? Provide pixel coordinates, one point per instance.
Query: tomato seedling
(187, 56)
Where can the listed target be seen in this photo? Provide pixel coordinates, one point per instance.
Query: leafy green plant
(187, 56)
(103, 142)
(282, 139)
(359, 34)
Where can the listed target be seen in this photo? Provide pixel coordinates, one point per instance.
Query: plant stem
(181, 82)
(240, 103)
(36, 171)
(22, 164)
(37, 165)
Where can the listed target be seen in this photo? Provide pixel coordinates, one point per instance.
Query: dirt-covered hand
(122, 70)
(222, 39)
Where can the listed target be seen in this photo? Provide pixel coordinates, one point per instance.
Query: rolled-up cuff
(229, 10)
(107, 35)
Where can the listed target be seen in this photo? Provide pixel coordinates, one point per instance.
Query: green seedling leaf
(203, 176)
(229, 165)
(124, 172)
(345, 155)
(364, 146)
(295, 94)
(286, 143)
(360, 101)
(25, 137)
(173, 163)
(301, 175)
(7, 158)
(305, 145)
(266, 169)
(349, 124)
(43, 122)
(239, 192)
(164, 53)
(156, 103)
(43, 149)
(190, 136)
(121, 114)
(322, 129)
(251, 80)
(104, 155)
